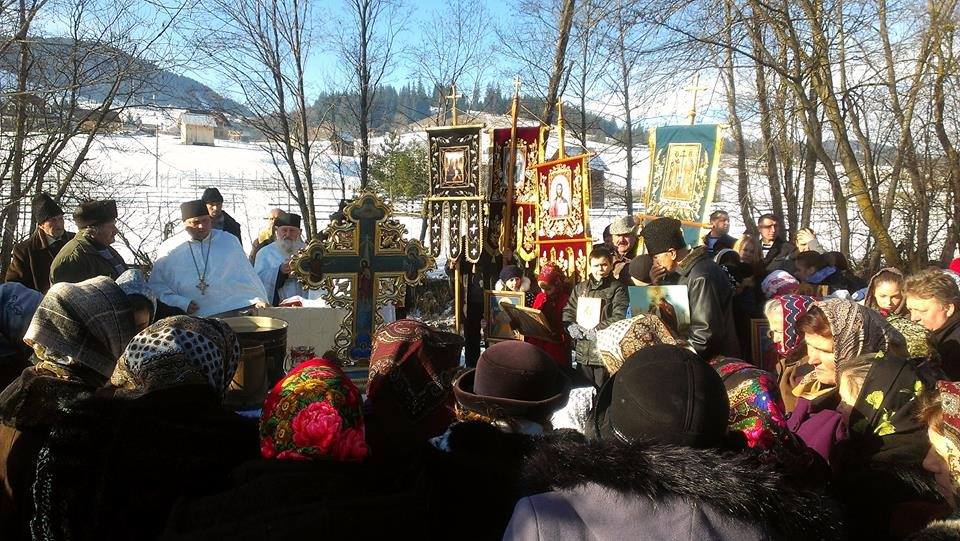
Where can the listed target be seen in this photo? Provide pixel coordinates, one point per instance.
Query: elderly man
(31, 260)
(266, 236)
(89, 253)
(712, 329)
(623, 238)
(718, 237)
(203, 271)
(220, 219)
(932, 298)
(273, 261)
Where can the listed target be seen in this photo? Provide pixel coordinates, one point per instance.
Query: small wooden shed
(197, 129)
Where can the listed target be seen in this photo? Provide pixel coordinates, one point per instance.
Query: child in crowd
(512, 279)
(613, 306)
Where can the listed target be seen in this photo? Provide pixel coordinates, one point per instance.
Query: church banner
(684, 164)
(456, 197)
(529, 152)
(562, 214)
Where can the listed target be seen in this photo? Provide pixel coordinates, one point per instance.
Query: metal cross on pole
(454, 97)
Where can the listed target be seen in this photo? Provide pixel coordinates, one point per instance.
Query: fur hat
(193, 209)
(624, 225)
(663, 394)
(517, 378)
(663, 234)
(95, 212)
(44, 208)
(287, 219)
(211, 195)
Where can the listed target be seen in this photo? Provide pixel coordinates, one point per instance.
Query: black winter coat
(712, 328)
(780, 256)
(945, 345)
(30, 263)
(615, 304)
(231, 226)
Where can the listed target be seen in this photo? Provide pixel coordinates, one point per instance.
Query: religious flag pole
(561, 151)
(457, 277)
(695, 88)
(511, 173)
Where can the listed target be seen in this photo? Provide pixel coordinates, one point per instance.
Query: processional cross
(454, 97)
(695, 88)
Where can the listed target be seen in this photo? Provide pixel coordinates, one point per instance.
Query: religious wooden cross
(363, 263)
(695, 89)
(454, 97)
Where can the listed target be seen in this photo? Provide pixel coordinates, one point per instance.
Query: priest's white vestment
(228, 279)
(267, 267)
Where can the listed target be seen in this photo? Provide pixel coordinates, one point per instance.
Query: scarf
(622, 339)
(857, 330)
(132, 282)
(871, 302)
(794, 307)
(314, 412)
(88, 323)
(179, 350)
(756, 408)
(411, 373)
(949, 446)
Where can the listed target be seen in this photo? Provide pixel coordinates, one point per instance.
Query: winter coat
(113, 467)
(28, 408)
(526, 287)
(945, 346)
(613, 490)
(552, 309)
(712, 326)
(939, 530)
(31, 260)
(615, 304)
(780, 256)
(724, 241)
(818, 423)
(79, 260)
(231, 226)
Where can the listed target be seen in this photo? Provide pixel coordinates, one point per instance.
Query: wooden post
(507, 223)
(561, 150)
(457, 298)
(695, 88)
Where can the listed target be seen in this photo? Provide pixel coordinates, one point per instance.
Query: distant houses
(197, 128)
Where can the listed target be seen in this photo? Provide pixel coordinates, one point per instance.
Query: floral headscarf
(622, 339)
(756, 408)
(314, 412)
(884, 423)
(552, 274)
(858, 330)
(949, 446)
(179, 350)
(794, 307)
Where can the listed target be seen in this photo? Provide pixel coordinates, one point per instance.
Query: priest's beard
(289, 246)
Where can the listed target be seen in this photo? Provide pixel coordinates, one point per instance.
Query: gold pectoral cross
(202, 285)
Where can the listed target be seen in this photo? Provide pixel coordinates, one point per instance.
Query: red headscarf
(552, 274)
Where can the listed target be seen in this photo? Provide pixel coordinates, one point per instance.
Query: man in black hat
(89, 253)
(31, 260)
(203, 271)
(712, 329)
(273, 260)
(220, 219)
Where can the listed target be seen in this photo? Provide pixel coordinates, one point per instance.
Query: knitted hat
(779, 282)
(287, 219)
(211, 195)
(661, 235)
(315, 411)
(510, 271)
(193, 209)
(624, 225)
(95, 212)
(663, 394)
(44, 208)
(514, 377)
(640, 267)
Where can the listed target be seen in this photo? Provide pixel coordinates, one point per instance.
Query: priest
(273, 260)
(203, 271)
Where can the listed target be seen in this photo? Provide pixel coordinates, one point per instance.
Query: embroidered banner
(684, 164)
(563, 221)
(529, 152)
(456, 194)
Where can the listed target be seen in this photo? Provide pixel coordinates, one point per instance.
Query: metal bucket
(249, 386)
(267, 332)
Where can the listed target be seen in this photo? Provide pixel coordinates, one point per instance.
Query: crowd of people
(113, 423)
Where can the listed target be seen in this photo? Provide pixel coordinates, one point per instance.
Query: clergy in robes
(203, 271)
(273, 260)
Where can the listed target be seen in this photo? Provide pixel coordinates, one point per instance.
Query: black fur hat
(95, 212)
(44, 208)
